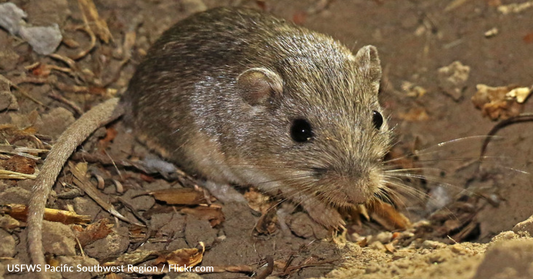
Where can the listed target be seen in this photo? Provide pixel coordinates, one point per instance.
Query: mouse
(240, 97)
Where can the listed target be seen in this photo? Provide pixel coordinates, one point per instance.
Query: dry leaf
(387, 216)
(267, 223)
(497, 102)
(92, 19)
(415, 114)
(520, 93)
(20, 212)
(147, 178)
(79, 171)
(4, 174)
(210, 213)
(9, 224)
(180, 196)
(93, 232)
(257, 201)
(183, 257)
(19, 164)
(110, 135)
(363, 242)
(390, 248)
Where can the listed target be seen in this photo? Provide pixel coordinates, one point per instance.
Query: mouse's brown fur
(239, 96)
(219, 91)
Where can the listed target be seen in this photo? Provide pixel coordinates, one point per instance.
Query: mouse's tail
(73, 136)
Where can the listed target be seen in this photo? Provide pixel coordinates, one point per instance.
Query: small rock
(11, 17)
(14, 195)
(199, 230)
(8, 57)
(7, 244)
(507, 235)
(430, 244)
(19, 120)
(58, 239)
(239, 219)
(178, 243)
(303, 226)
(459, 249)
(491, 32)
(74, 262)
(8, 101)
(86, 206)
(113, 245)
(168, 223)
(55, 122)
(43, 40)
(452, 79)
(139, 201)
(524, 226)
(384, 237)
(511, 257)
(193, 6)
(9, 223)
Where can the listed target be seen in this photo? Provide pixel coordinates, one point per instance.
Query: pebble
(113, 245)
(507, 257)
(58, 239)
(430, 244)
(524, 226)
(452, 79)
(55, 122)
(7, 245)
(8, 101)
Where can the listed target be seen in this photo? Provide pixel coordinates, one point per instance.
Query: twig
(523, 117)
(67, 102)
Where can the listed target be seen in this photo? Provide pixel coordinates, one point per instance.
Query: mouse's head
(316, 127)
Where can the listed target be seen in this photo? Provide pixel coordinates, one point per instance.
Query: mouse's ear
(258, 85)
(368, 64)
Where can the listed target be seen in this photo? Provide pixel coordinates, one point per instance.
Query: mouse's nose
(355, 186)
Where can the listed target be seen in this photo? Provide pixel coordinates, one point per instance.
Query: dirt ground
(464, 213)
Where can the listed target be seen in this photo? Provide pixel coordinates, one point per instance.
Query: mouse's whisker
(387, 171)
(442, 148)
(440, 145)
(401, 192)
(382, 196)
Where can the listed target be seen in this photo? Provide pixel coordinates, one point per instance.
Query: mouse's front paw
(224, 192)
(327, 216)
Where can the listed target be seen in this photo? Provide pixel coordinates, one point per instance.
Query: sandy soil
(463, 215)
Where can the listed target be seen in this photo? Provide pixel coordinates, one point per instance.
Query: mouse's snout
(349, 186)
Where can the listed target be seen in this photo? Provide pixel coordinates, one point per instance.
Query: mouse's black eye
(301, 130)
(377, 119)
